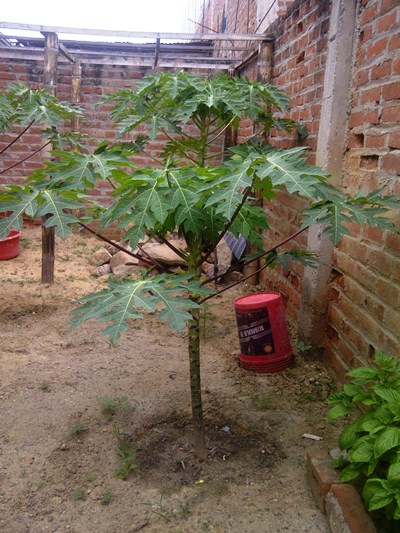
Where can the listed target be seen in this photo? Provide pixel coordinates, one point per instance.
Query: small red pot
(9, 247)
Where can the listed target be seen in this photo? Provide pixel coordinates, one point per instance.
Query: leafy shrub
(372, 439)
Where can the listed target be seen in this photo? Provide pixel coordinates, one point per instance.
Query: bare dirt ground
(76, 411)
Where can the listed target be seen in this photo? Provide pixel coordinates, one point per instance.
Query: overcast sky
(130, 15)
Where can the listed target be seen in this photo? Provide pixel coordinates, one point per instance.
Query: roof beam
(144, 47)
(139, 35)
(107, 59)
(65, 52)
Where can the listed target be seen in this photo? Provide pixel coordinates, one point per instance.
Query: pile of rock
(110, 260)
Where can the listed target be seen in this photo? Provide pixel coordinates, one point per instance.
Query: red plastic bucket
(263, 335)
(9, 247)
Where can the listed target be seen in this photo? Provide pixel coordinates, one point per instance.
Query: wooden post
(49, 83)
(264, 75)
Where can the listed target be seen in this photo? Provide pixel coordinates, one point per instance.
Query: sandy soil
(76, 411)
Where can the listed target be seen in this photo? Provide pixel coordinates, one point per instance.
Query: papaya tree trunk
(195, 386)
(48, 252)
(50, 83)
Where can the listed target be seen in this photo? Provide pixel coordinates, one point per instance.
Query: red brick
(387, 4)
(357, 339)
(371, 95)
(346, 511)
(382, 70)
(390, 114)
(335, 362)
(357, 250)
(359, 118)
(391, 321)
(345, 348)
(368, 14)
(388, 292)
(392, 241)
(363, 77)
(386, 22)
(390, 344)
(372, 233)
(391, 91)
(366, 34)
(355, 140)
(396, 66)
(391, 162)
(375, 141)
(393, 43)
(394, 139)
(377, 48)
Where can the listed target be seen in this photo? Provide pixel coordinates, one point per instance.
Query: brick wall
(31, 73)
(229, 17)
(364, 309)
(97, 81)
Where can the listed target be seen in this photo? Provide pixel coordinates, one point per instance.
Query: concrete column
(329, 155)
(76, 82)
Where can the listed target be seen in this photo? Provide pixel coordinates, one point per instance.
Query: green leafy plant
(106, 498)
(301, 347)
(126, 453)
(372, 439)
(195, 186)
(80, 495)
(90, 476)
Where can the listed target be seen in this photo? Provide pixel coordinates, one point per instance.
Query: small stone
(97, 493)
(124, 270)
(224, 259)
(100, 257)
(163, 254)
(114, 250)
(337, 453)
(102, 270)
(122, 258)
(233, 277)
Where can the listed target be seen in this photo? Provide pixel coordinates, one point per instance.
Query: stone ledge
(341, 502)
(346, 512)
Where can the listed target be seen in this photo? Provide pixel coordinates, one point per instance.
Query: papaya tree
(191, 189)
(22, 109)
